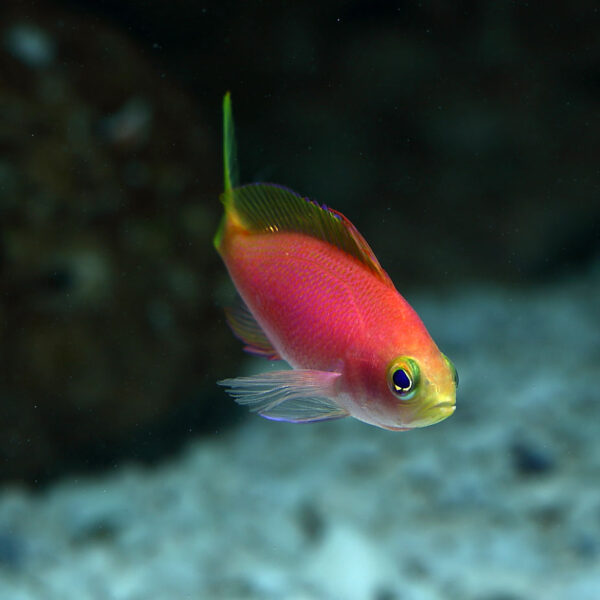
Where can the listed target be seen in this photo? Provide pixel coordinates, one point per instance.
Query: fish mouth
(444, 405)
(425, 416)
(433, 414)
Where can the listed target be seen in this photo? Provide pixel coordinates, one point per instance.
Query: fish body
(314, 295)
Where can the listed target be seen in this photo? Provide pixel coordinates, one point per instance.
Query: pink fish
(315, 296)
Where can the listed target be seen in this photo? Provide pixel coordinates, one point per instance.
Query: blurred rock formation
(461, 138)
(108, 325)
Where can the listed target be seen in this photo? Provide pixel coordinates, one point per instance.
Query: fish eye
(452, 370)
(402, 381)
(403, 377)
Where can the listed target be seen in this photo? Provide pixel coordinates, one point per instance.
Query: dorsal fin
(230, 164)
(268, 208)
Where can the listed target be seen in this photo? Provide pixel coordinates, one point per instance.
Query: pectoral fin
(245, 327)
(297, 396)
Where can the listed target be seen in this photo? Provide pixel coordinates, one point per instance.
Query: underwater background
(463, 141)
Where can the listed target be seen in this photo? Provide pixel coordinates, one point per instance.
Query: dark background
(462, 138)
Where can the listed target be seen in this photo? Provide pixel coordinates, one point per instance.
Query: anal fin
(296, 396)
(244, 326)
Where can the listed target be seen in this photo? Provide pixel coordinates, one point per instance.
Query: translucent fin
(297, 396)
(268, 208)
(245, 328)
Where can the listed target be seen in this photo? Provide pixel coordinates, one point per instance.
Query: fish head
(420, 392)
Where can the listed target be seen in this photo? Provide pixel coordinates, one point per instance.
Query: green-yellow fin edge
(230, 168)
(217, 240)
(229, 146)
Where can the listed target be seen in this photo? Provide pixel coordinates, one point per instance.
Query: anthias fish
(314, 294)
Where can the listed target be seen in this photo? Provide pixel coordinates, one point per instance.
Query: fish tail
(230, 170)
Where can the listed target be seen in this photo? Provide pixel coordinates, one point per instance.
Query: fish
(312, 293)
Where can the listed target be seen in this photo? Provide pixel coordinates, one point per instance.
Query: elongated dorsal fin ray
(230, 163)
(230, 166)
(246, 328)
(268, 208)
